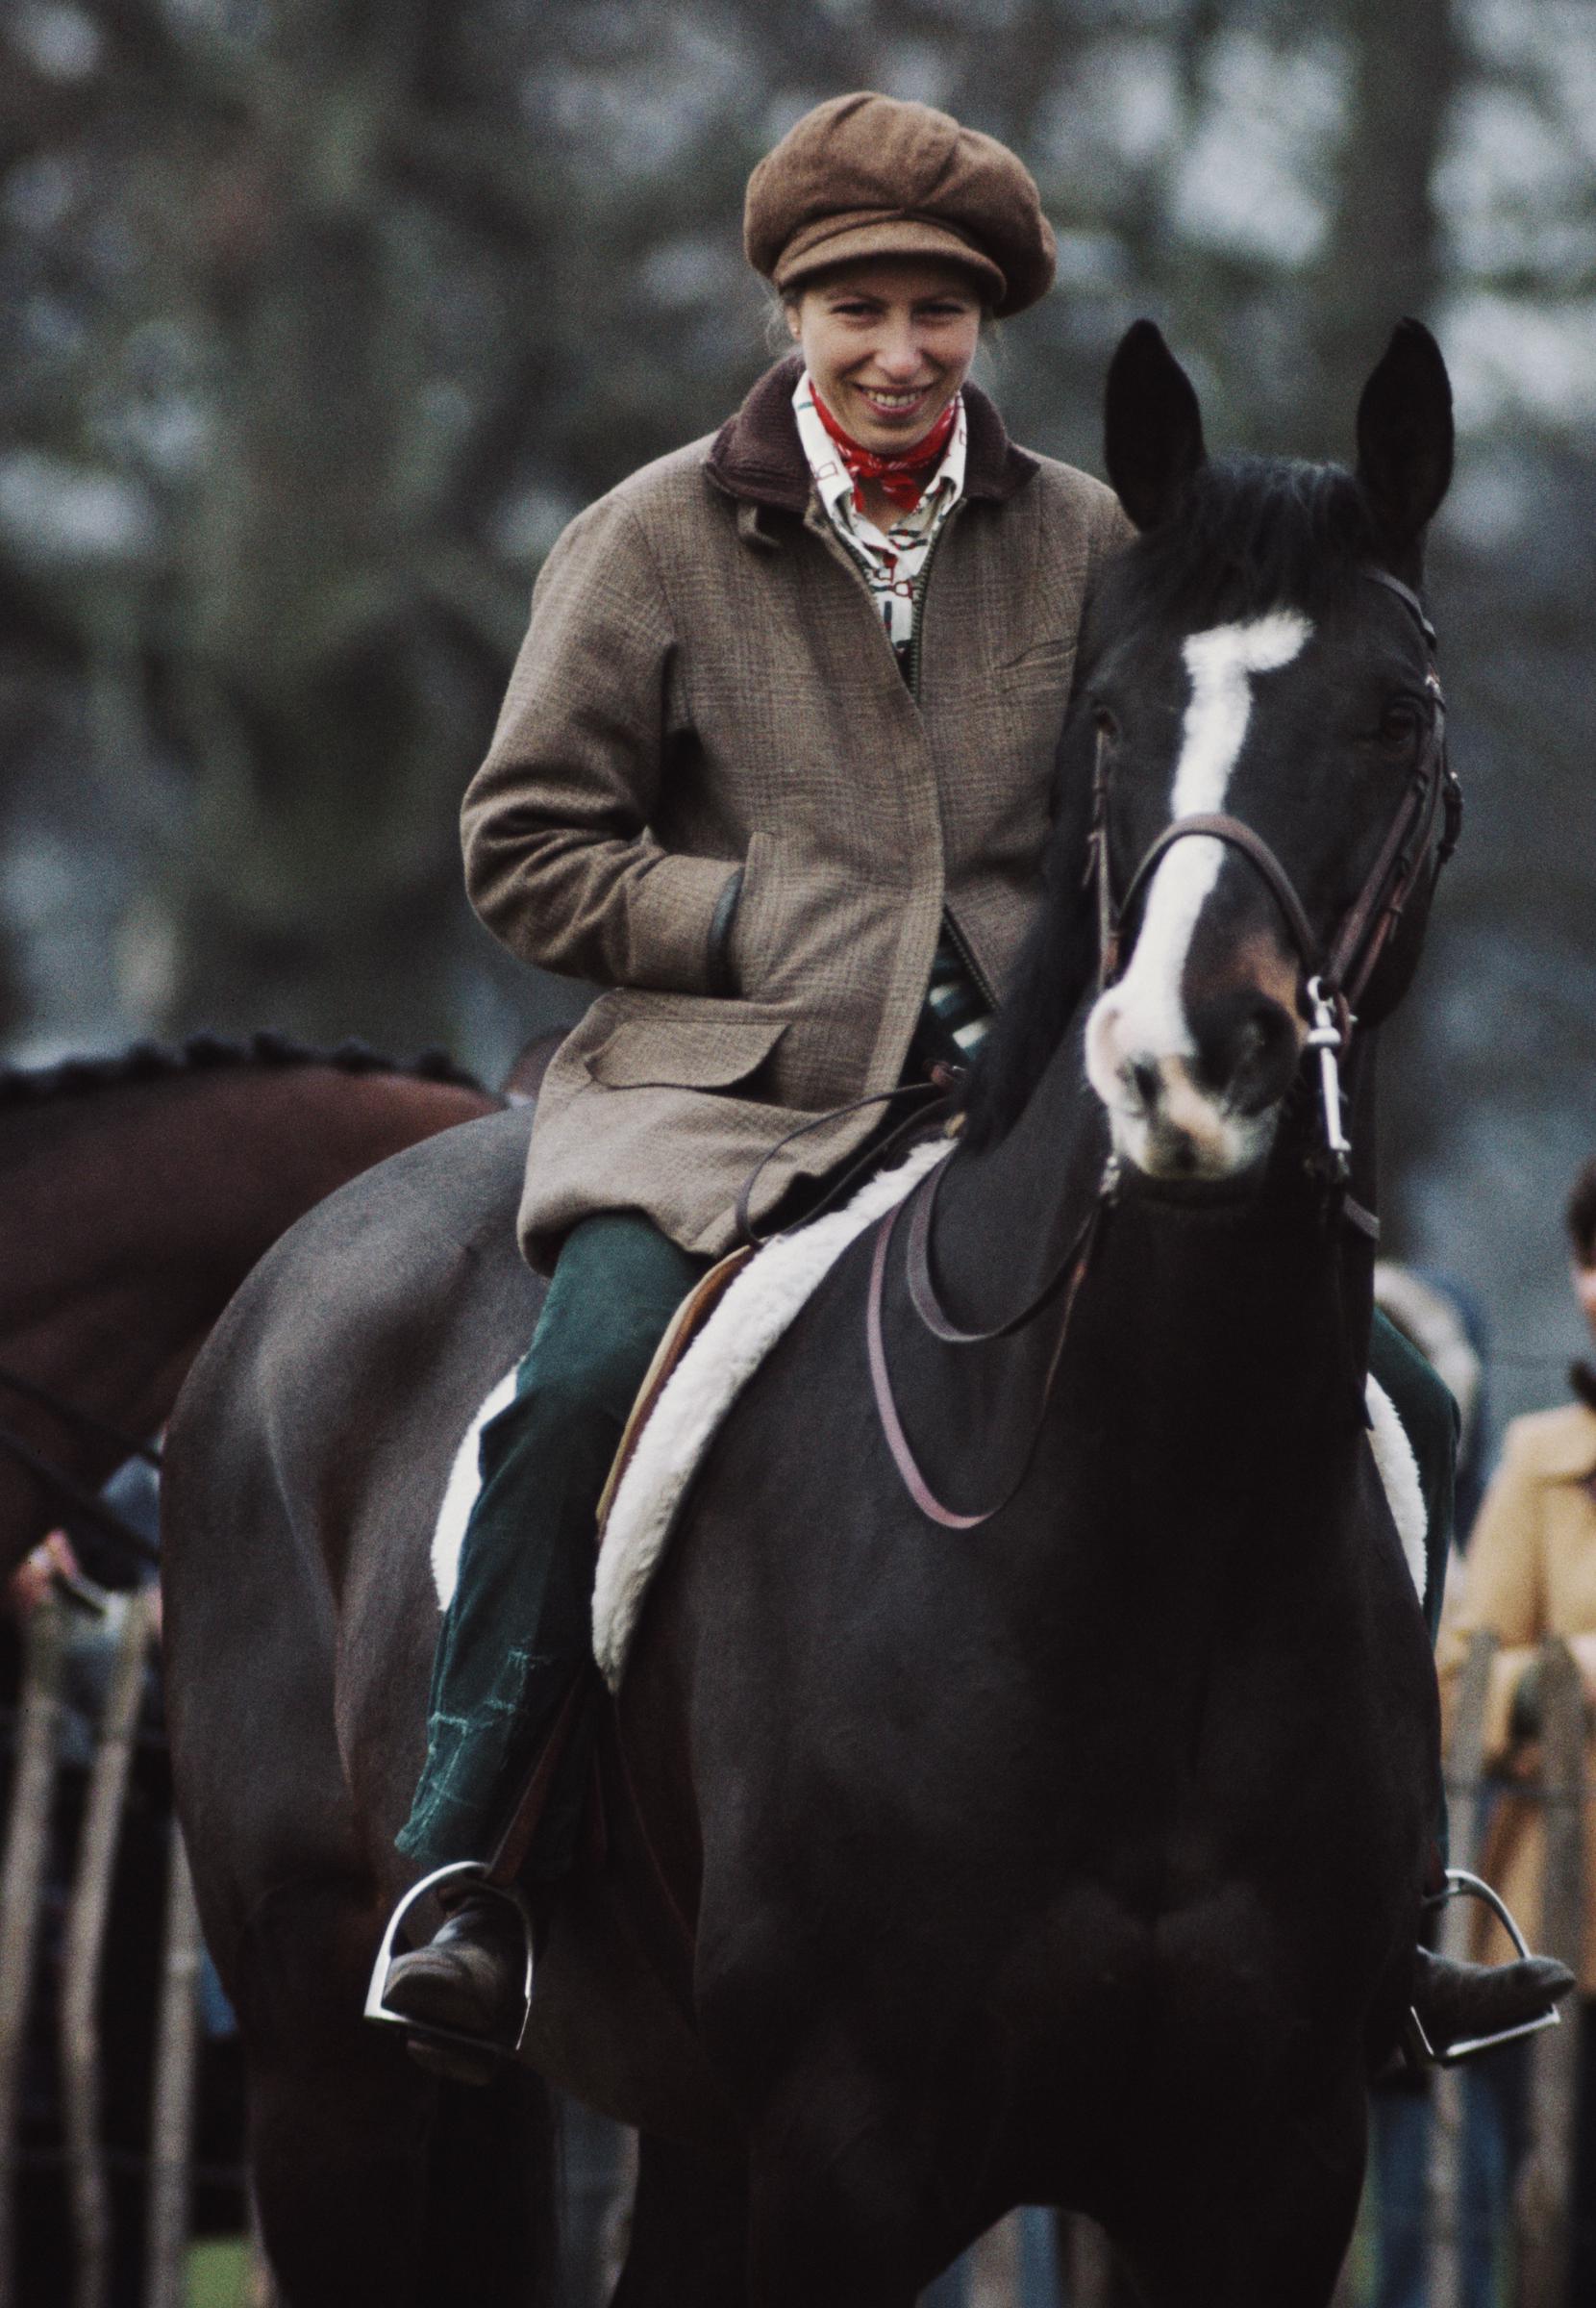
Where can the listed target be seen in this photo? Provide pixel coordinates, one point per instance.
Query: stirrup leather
(1461, 1885)
(464, 1871)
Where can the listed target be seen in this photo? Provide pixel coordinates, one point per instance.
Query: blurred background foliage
(322, 316)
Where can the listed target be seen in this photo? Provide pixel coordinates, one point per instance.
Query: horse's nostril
(1248, 1050)
(1263, 1058)
(1144, 1081)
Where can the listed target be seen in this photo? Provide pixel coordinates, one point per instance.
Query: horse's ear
(1152, 426)
(1405, 439)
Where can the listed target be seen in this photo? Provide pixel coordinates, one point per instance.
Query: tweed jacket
(1530, 1572)
(705, 684)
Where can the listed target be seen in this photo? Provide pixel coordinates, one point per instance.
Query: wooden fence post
(1542, 2206)
(997, 2266)
(172, 2102)
(1465, 1800)
(21, 1882)
(88, 1910)
(1089, 2259)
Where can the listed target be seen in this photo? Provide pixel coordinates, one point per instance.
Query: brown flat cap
(873, 176)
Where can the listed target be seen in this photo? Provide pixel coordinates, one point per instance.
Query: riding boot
(511, 1715)
(1457, 2003)
(470, 1979)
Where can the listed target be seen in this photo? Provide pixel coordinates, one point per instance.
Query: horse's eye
(1104, 723)
(1401, 727)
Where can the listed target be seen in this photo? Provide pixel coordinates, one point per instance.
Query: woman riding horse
(740, 689)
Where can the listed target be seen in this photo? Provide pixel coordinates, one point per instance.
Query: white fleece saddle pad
(756, 1308)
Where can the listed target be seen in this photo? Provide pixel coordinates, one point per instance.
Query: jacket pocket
(1054, 648)
(753, 940)
(701, 1044)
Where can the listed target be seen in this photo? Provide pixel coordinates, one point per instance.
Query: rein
(1067, 1276)
(85, 1504)
(934, 1098)
(1334, 980)
(98, 1430)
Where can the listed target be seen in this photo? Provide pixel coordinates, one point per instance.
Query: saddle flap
(685, 1323)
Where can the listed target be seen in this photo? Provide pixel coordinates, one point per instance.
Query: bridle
(1334, 977)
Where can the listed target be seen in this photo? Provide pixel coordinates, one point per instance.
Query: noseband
(1336, 976)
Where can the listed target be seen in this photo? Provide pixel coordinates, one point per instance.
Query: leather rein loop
(1337, 982)
(1068, 1275)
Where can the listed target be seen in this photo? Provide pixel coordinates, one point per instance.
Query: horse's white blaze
(1141, 1022)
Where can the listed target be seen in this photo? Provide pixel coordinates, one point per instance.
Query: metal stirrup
(462, 1871)
(1460, 1884)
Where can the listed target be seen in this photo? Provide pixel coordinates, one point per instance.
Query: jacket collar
(758, 457)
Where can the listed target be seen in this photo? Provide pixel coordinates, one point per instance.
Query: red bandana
(903, 478)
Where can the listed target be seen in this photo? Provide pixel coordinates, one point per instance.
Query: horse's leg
(848, 2197)
(375, 2188)
(688, 2247)
(338, 2116)
(844, 2235)
(1277, 2239)
(491, 2224)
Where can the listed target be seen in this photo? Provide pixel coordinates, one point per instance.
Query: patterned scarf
(902, 479)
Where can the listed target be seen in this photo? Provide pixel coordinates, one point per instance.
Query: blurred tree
(325, 317)
(1381, 254)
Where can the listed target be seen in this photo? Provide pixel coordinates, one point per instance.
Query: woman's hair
(1582, 1216)
(778, 337)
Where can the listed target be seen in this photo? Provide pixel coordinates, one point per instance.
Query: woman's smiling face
(888, 342)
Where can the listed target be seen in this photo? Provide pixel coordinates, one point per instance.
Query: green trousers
(519, 1629)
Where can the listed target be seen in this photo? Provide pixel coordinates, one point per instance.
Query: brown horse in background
(136, 1194)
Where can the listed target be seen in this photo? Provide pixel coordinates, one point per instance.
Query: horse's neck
(162, 1196)
(1010, 1212)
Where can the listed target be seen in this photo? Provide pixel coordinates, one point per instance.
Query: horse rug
(680, 1417)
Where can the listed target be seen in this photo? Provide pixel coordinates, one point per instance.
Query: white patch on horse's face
(1140, 1044)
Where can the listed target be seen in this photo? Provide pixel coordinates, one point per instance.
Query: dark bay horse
(136, 1194)
(1073, 1858)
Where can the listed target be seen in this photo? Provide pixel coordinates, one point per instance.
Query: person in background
(1530, 1572)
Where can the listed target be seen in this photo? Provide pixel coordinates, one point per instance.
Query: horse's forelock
(1255, 534)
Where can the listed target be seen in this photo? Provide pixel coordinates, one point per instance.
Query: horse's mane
(1252, 534)
(211, 1053)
